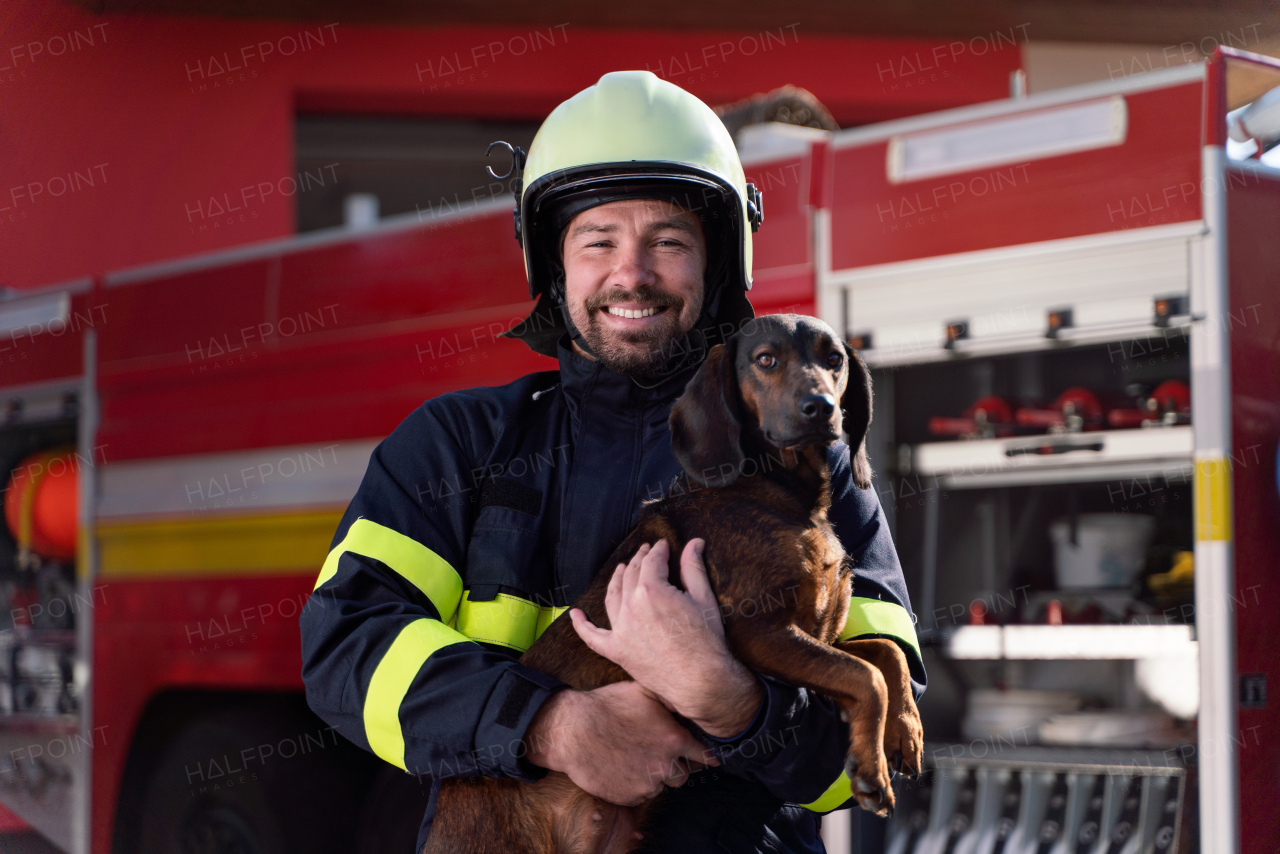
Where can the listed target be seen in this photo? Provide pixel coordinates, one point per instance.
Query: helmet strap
(569, 326)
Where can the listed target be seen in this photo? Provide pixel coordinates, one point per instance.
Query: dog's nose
(816, 406)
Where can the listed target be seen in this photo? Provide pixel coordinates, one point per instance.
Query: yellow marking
(263, 544)
(1213, 499)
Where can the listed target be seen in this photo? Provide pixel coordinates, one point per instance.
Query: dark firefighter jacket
(479, 520)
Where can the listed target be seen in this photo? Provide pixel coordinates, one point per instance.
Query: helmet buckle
(755, 207)
(516, 170)
(518, 156)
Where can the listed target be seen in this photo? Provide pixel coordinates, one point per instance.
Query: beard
(641, 353)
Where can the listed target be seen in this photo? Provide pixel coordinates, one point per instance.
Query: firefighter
(487, 512)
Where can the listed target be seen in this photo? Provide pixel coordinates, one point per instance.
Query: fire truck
(1067, 301)
(1064, 301)
(217, 414)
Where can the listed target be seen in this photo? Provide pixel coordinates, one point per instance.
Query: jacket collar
(582, 379)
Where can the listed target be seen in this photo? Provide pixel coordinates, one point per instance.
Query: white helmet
(633, 135)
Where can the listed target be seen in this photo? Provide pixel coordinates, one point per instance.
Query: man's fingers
(654, 569)
(679, 774)
(697, 754)
(693, 572)
(598, 639)
(613, 593)
(700, 765)
(631, 575)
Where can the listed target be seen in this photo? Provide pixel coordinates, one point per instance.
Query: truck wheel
(220, 828)
(236, 781)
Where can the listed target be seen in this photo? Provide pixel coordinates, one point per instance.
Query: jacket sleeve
(388, 654)
(796, 746)
(880, 607)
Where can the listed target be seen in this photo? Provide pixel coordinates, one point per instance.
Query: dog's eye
(766, 360)
(835, 360)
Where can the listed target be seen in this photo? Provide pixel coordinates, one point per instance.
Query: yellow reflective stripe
(416, 563)
(867, 617)
(547, 616)
(391, 680)
(835, 795)
(873, 617)
(1213, 499)
(506, 620)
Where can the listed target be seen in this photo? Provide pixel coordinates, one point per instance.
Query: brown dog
(751, 432)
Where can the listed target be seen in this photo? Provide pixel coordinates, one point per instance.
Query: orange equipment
(40, 505)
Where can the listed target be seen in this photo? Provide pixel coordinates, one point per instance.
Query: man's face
(633, 280)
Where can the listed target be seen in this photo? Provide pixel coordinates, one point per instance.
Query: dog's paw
(904, 740)
(870, 784)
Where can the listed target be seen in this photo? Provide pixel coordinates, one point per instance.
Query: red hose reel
(1169, 403)
(989, 416)
(1076, 410)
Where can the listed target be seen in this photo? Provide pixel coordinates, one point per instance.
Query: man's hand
(617, 743)
(672, 641)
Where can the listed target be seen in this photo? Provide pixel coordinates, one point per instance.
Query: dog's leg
(481, 815)
(858, 687)
(903, 734)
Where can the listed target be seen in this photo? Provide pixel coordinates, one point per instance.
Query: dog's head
(784, 381)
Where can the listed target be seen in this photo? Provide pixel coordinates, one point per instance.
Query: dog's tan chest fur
(824, 616)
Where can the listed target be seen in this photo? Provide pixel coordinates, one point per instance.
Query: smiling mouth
(634, 313)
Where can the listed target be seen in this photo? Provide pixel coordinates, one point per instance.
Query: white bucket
(1015, 714)
(1109, 550)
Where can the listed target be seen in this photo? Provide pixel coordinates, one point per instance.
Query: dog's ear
(855, 407)
(706, 434)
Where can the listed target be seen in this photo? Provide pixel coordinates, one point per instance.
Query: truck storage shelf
(1084, 760)
(1087, 642)
(27, 636)
(48, 724)
(1058, 458)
